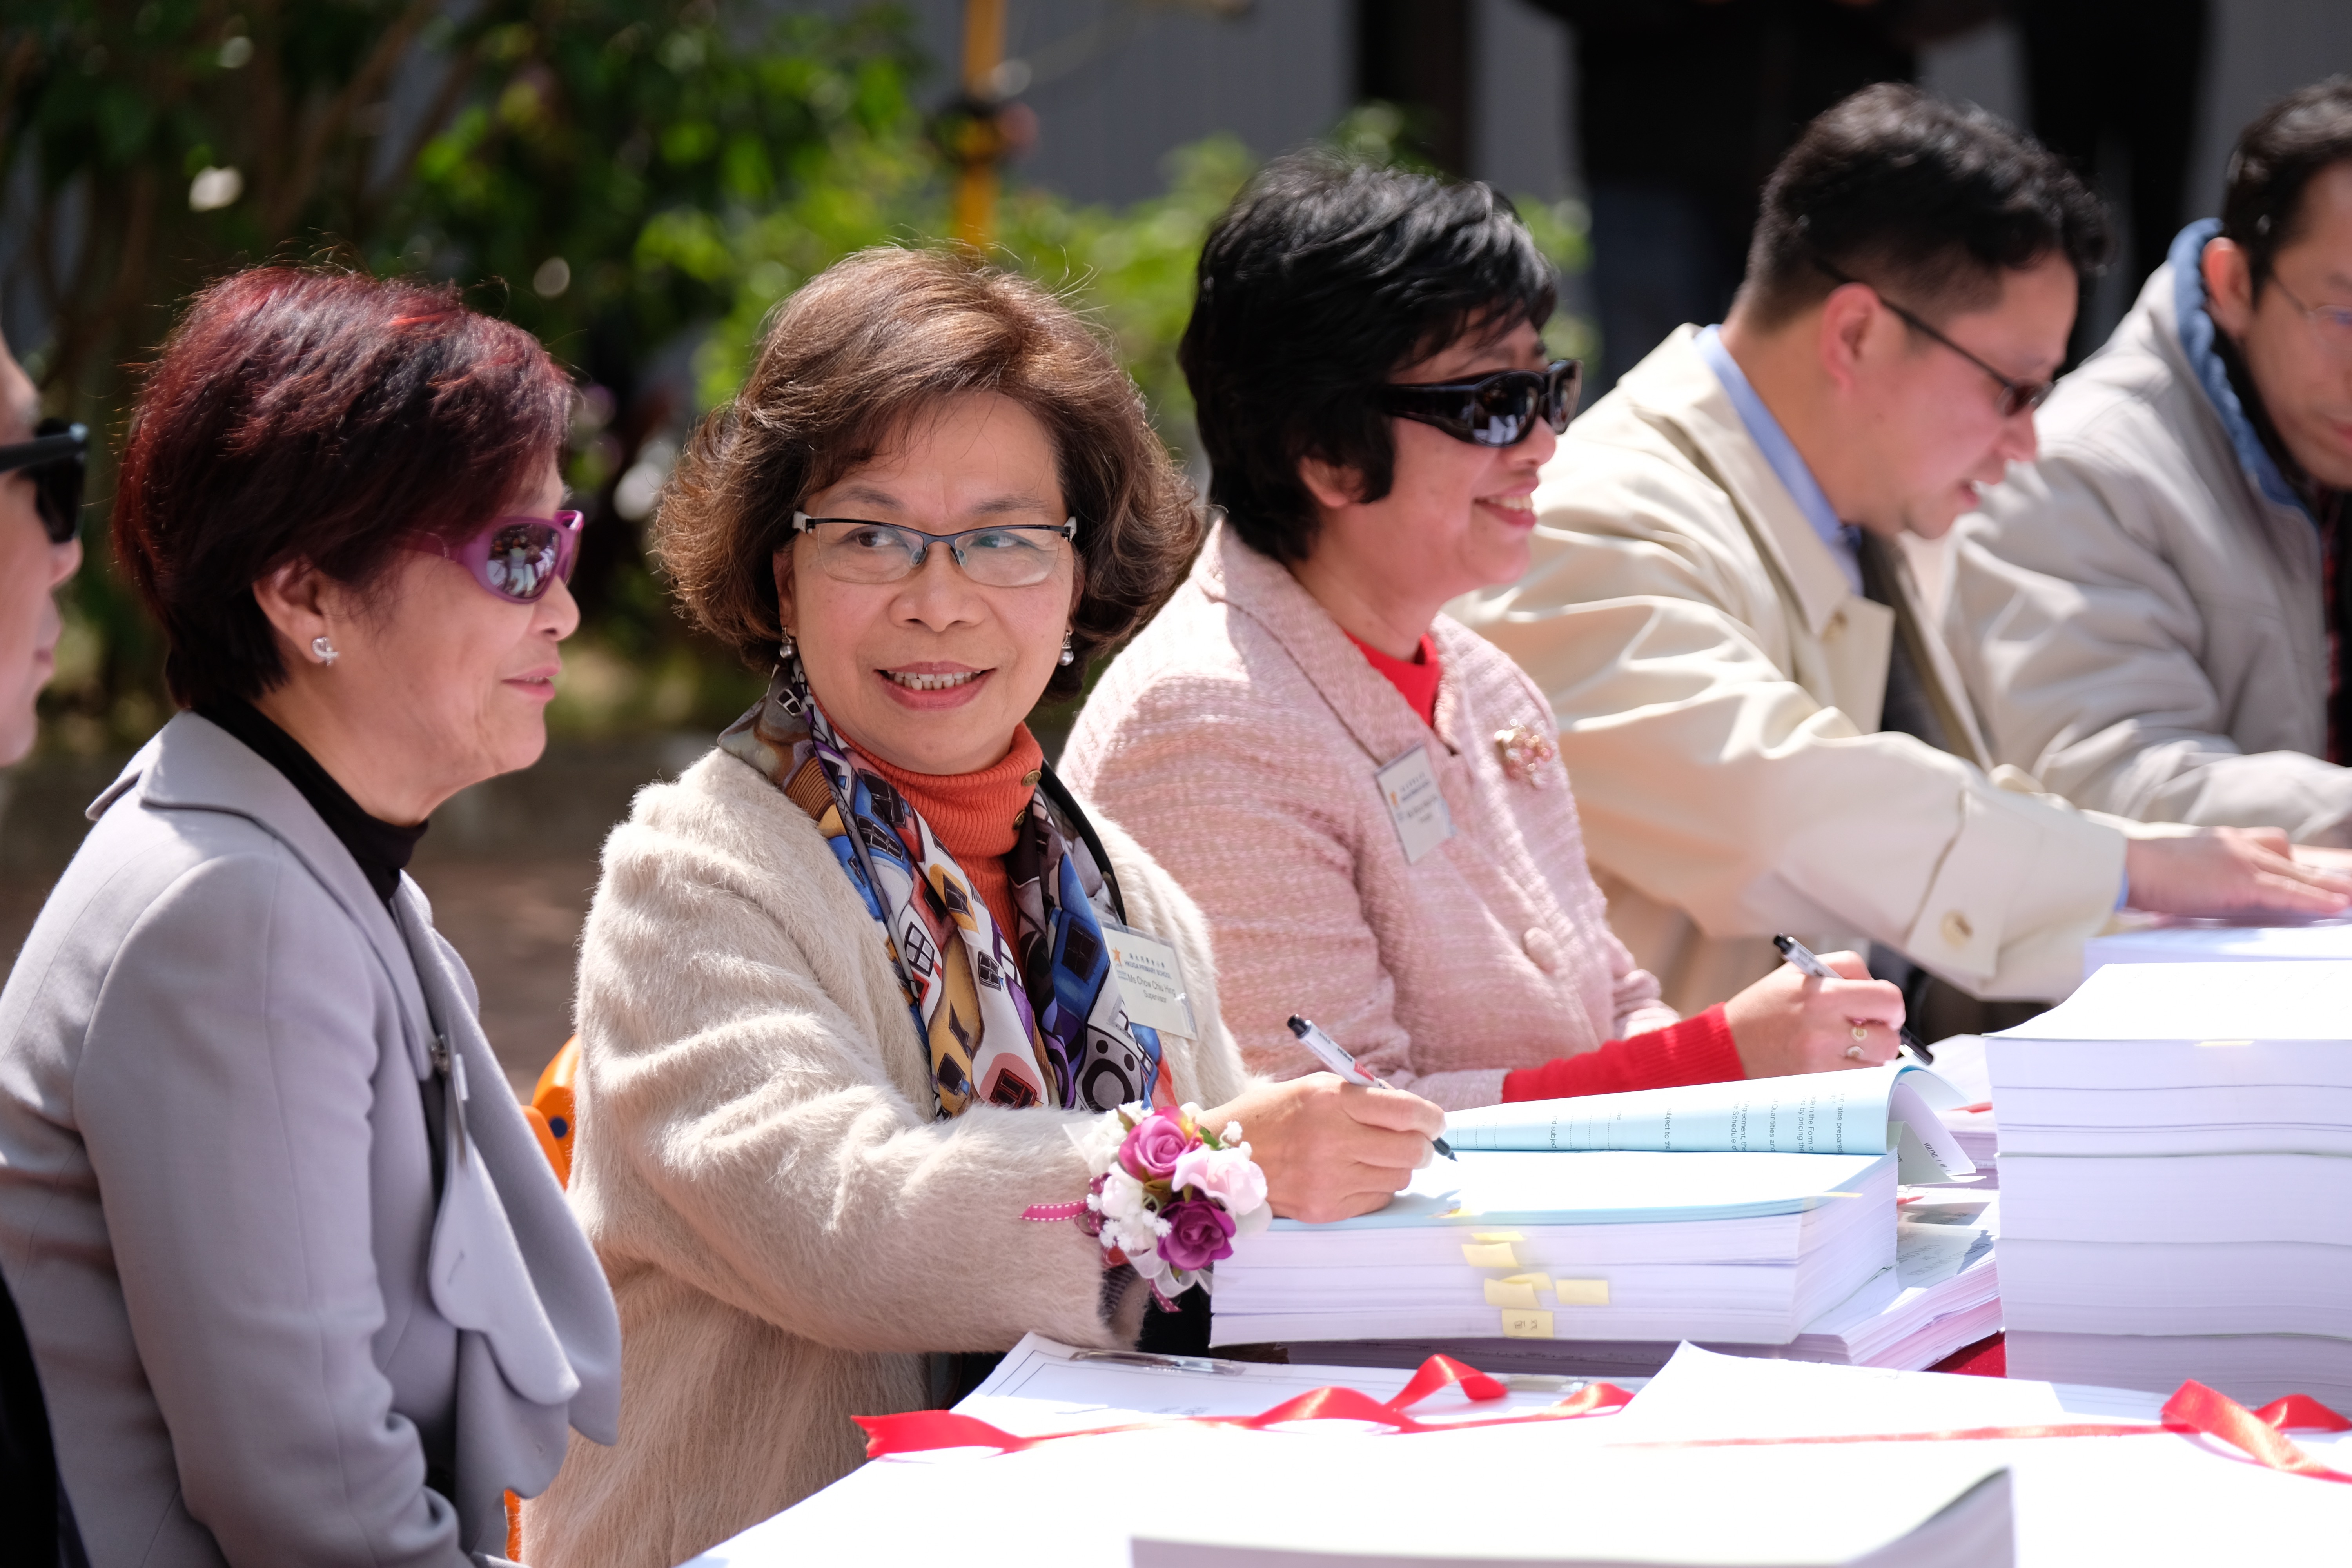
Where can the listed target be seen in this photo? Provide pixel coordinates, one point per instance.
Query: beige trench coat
(1718, 688)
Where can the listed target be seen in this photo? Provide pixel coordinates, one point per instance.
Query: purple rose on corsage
(1199, 1234)
(1152, 1146)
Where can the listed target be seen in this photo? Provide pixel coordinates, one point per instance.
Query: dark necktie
(1908, 710)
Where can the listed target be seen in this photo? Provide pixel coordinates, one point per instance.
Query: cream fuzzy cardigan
(1237, 738)
(786, 1227)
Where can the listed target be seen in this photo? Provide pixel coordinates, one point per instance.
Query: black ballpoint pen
(1805, 959)
(1333, 1054)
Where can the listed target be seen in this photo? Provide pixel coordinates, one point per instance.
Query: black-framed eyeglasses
(55, 459)
(1004, 555)
(1497, 410)
(2016, 396)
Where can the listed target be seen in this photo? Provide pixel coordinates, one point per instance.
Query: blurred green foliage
(639, 181)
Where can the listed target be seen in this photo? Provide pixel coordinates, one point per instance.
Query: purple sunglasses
(515, 558)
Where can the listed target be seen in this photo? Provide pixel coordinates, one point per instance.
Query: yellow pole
(975, 187)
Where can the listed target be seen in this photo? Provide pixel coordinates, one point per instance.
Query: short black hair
(1324, 278)
(1931, 201)
(2276, 158)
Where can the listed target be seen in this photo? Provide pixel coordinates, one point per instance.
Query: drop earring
(322, 651)
(788, 688)
(1069, 654)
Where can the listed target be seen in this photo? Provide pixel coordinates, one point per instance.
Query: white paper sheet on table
(2153, 1502)
(1043, 1387)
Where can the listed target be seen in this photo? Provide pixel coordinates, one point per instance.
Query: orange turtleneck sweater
(977, 816)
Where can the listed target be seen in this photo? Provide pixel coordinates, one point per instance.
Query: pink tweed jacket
(1236, 739)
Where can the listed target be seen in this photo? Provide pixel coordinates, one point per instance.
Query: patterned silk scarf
(1042, 1024)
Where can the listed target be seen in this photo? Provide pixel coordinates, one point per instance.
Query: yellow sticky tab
(1488, 1254)
(1510, 1293)
(1541, 1281)
(1523, 1325)
(1581, 1292)
(1496, 1236)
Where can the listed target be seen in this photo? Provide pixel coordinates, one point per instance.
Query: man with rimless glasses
(1764, 731)
(2152, 618)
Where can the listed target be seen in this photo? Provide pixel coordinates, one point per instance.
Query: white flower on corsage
(1169, 1195)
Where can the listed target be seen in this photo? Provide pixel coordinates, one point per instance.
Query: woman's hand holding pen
(1331, 1148)
(1789, 1022)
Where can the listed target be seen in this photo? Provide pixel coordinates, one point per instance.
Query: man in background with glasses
(40, 515)
(1762, 730)
(2152, 618)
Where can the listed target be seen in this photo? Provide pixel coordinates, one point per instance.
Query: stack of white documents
(2176, 939)
(1734, 1212)
(1942, 1295)
(2177, 1179)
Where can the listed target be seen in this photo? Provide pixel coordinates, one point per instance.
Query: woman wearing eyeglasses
(299, 1283)
(1365, 797)
(857, 994)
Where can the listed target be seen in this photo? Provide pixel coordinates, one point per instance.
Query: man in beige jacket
(2143, 616)
(1762, 730)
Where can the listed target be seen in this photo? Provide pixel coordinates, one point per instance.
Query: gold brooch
(1526, 752)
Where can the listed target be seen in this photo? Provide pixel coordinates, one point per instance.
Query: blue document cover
(1483, 1189)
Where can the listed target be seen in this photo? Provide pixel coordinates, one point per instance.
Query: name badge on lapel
(1150, 981)
(1409, 789)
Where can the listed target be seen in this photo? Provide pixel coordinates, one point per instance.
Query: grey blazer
(258, 1327)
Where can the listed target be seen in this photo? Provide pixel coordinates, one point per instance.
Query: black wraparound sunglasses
(1497, 410)
(2016, 396)
(55, 459)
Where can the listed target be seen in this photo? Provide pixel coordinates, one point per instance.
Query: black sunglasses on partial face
(55, 459)
(1497, 410)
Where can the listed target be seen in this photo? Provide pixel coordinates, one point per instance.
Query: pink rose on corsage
(1199, 1234)
(1154, 1145)
(1168, 1194)
(1227, 1174)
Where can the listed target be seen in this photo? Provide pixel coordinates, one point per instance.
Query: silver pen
(1806, 961)
(1167, 1363)
(1333, 1054)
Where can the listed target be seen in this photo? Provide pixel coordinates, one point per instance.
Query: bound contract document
(2176, 1172)
(1892, 1110)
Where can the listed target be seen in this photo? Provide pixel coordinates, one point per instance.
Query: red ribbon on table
(2261, 1435)
(920, 1430)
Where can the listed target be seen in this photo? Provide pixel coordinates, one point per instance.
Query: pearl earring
(322, 651)
(1070, 656)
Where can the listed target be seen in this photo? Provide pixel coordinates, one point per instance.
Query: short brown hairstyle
(868, 345)
(305, 414)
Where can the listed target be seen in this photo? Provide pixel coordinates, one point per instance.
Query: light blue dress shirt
(1781, 453)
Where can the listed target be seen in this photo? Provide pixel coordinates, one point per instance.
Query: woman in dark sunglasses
(1365, 797)
(294, 1293)
(37, 553)
(40, 506)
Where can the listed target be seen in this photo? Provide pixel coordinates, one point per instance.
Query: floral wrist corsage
(1168, 1194)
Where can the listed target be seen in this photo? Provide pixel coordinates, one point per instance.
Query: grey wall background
(1120, 82)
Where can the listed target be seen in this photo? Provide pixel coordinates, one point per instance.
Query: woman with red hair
(295, 1296)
